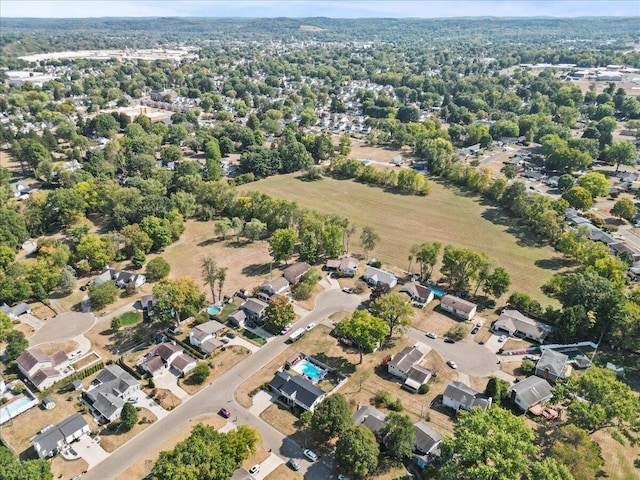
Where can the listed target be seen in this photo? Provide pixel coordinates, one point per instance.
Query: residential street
(221, 393)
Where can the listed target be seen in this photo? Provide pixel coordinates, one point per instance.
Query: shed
(77, 384)
(48, 403)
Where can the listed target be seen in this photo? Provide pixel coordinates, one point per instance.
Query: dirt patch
(218, 364)
(479, 384)
(431, 320)
(112, 439)
(42, 311)
(516, 344)
(512, 368)
(67, 468)
(144, 466)
(25, 328)
(67, 346)
(163, 397)
(283, 473)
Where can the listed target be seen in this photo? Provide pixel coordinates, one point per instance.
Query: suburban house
(458, 307)
(295, 272)
(237, 318)
(416, 377)
(20, 189)
(427, 444)
(530, 392)
(167, 356)
(371, 418)
(404, 360)
(375, 276)
(203, 332)
(553, 365)
(43, 370)
(458, 396)
(147, 303)
(53, 438)
(15, 311)
(512, 322)
(297, 390)
(419, 294)
(107, 393)
(121, 278)
(254, 309)
(277, 286)
(348, 266)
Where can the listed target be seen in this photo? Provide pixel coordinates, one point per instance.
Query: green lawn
(447, 215)
(130, 318)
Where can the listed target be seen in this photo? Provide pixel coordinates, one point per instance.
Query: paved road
(62, 327)
(221, 393)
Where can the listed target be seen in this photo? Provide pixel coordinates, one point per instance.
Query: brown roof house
(458, 307)
(295, 272)
(43, 370)
(419, 294)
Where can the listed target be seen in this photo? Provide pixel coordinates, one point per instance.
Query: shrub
(424, 388)
(382, 397)
(457, 332)
(395, 406)
(19, 387)
(157, 269)
(200, 373)
(527, 367)
(128, 417)
(151, 383)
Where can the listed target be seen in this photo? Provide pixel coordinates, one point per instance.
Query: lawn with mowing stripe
(130, 318)
(447, 215)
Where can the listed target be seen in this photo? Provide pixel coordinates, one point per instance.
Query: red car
(225, 413)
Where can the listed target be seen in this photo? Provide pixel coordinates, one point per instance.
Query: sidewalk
(268, 466)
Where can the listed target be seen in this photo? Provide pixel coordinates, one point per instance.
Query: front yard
(113, 437)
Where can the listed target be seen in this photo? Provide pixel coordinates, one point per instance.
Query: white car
(311, 326)
(310, 455)
(347, 290)
(255, 469)
(342, 477)
(502, 338)
(432, 335)
(452, 364)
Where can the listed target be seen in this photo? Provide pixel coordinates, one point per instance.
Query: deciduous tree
(282, 243)
(103, 294)
(278, 314)
(365, 331)
(395, 309)
(332, 417)
(128, 417)
(181, 296)
(368, 239)
(357, 452)
(157, 269)
(400, 435)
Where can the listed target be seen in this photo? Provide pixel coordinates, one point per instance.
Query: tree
(365, 331)
(491, 444)
(116, 324)
(278, 314)
(549, 469)
(357, 452)
(604, 401)
(497, 389)
(97, 251)
(624, 208)
(16, 344)
(11, 467)
(222, 227)
(181, 296)
(621, 153)
(497, 283)
(344, 148)
(68, 280)
(253, 229)
(368, 239)
(282, 243)
(309, 249)
(565, 182)
(157, 269)
(574, 449)
(579, 197)
(6, 325)
(103, 294)
(400, 435)
(332, 245)
(527, 367)
(595, 182)
(332, 417)
(461, 265)
(200, 373)
(407, 114)
(395, 309)
(209, 270)
(135, 239)
(128, 417)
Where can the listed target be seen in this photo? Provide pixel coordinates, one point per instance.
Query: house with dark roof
(512, 322)
(121, 278)
(416, 377)
(403, 361)
(458, 396)
(530, 392)
(276, 286)
(427, 444)
(297, 390)
(553, 365)
(375, 277)
(53, 438)
(44, 370)
(371, 418)
(294, 272)
(15, 311)
(254, 309)
(107, 393)
(168, 356)
(458, 307)
(419, 294)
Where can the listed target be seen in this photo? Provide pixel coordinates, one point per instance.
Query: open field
(446, 215)
(618, 459)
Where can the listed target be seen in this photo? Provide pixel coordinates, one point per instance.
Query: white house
(203, 332)
(458, 307)
(512, 322)
(419, 294)
(121, 278)
(375, 276)
(402, 361)
(44, 370)
(276, 286)
(107, 393)
(15, 311)
(53, 438)
(168, 356)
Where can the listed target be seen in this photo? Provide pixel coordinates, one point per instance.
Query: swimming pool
(14, 409)
(213, 310)
(308, 369)
(437, 292)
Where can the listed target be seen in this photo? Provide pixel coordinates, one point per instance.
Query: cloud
(329, 8)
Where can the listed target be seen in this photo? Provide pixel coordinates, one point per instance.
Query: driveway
(493, 344)
(169, 381)
(62, 327)
(90, 450)
(243, 343)
(147, 402)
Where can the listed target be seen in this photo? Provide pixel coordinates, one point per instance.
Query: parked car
(255, 469)
(224, 412)
(231, 335)
(475, 330)
(502, 338)
(242, 293)
(286, 329)
(293, 465)
(347, 290)
(310, 455)
(452, 364)
(342, 477)
(533, 358)
(132, 400)
(310, 326)
(449, 340)
(432, 335)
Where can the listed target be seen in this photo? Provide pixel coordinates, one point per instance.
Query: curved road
(221, 394)
(63, 326)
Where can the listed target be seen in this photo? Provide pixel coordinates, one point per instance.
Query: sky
(316, 8)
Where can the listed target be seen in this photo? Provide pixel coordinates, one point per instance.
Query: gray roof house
(276, 286)
(515, 323)
(203, 332)
(121, 278)
(108, 391)
(237, 318)
(348, 266)
(294, 272)
(371, 418)
(15, 311)
(254, 309)
(458, 396)
(427, 443)
(375, 276)
(530, 392)
(419, 294)
(416, 377)
(297, 390)
(402, 361)
(51, 439)
(552, 365)
(458, 307)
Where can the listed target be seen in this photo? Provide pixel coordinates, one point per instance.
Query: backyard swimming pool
(437, 292)
(13, 409)
(308, 369)
(213, 310)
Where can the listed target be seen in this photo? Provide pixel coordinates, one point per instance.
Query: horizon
(302, 9)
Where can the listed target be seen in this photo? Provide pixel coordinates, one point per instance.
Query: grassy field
(446, 215)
